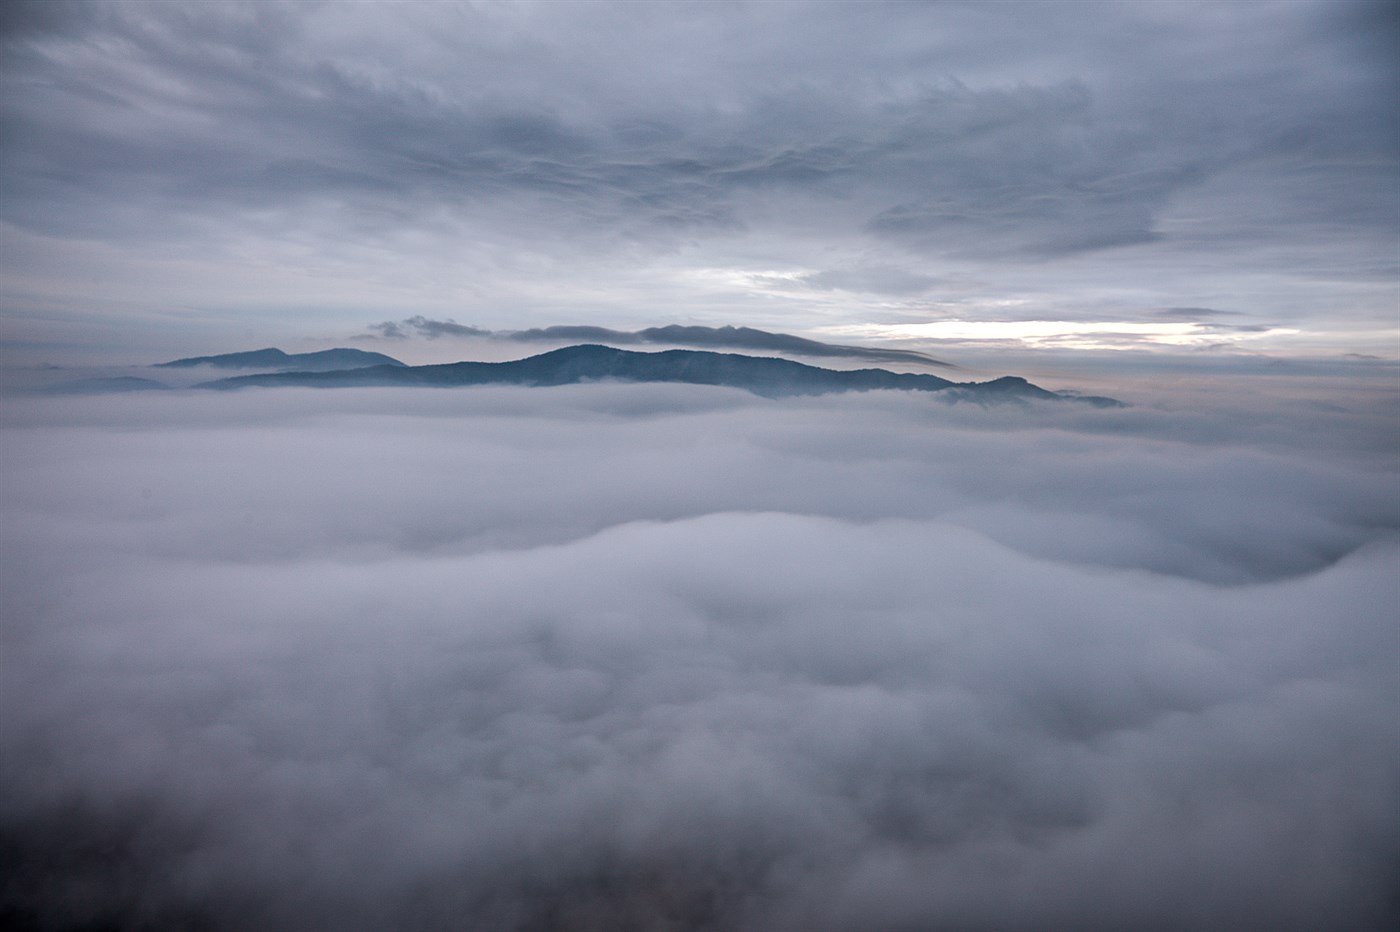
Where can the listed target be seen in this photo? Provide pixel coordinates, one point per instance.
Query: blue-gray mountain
(732, 338)
(728, 338)
(762, 375)
(323, 361)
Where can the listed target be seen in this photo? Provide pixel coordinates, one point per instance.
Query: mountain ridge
(727, 337)
(273, 358)
(766, 376)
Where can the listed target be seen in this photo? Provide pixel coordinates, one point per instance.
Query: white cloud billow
(675, 657)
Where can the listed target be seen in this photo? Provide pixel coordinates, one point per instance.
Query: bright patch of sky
(1063, 333)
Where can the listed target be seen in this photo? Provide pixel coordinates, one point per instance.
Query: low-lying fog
(663, 657)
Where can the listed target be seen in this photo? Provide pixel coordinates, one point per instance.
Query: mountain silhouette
(272, 358)
(767, 376)
(740, 338)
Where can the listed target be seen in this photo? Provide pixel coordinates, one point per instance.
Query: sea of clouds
(621, 657)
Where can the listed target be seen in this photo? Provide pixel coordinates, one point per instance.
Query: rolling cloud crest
(600, 656)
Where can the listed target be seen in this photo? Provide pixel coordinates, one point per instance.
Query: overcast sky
(208, 177)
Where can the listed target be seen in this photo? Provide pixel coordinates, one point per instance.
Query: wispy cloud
(424, 327)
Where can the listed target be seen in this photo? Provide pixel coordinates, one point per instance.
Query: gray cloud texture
(675, 657)
(531, 158)
(418, 325)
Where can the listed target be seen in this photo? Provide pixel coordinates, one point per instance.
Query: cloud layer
(674, 657)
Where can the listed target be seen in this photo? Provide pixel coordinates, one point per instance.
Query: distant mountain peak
(273, 358)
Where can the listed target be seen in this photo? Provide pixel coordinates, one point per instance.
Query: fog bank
(670, 657)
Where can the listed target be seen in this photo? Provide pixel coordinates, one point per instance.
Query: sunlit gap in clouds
(1067, 334)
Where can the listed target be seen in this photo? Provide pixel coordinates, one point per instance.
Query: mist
(673, 657)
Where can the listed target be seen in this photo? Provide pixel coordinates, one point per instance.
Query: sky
(682, 658)
(992, 183)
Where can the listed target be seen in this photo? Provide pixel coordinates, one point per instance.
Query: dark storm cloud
(602, 657)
